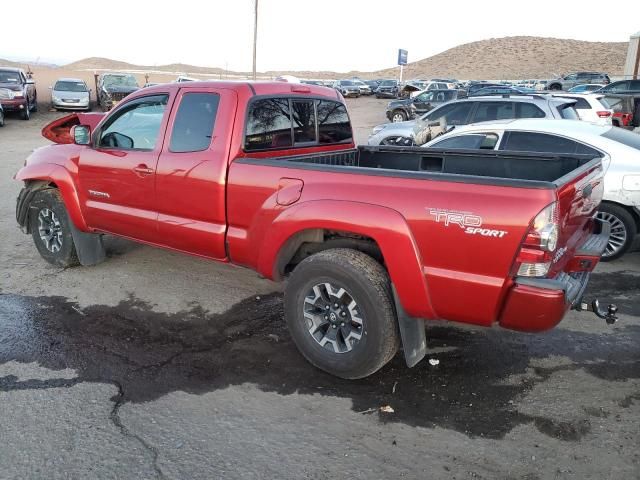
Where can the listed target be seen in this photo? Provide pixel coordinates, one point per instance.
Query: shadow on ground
(149, 354)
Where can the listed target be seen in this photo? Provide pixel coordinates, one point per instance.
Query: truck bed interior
(521, 166)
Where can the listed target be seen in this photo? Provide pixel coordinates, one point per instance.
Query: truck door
(192, 170)
(117, 173)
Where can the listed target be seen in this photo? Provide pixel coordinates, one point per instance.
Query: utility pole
(255, 37)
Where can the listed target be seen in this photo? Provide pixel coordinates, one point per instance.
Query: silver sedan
(70, 94)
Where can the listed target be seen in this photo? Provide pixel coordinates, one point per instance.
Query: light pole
(255, 37)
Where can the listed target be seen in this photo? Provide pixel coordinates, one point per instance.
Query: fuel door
(289, 191)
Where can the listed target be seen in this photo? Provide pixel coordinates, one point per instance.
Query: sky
(336, 35)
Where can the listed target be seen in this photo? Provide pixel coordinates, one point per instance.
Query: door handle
(142, 169)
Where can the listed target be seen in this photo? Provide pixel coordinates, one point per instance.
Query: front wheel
(25, 113)
(623, 230)
(339, 310)
(51, 229)
(1, 118)
(398, 116)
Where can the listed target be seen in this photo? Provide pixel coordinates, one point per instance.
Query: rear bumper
(538, 304)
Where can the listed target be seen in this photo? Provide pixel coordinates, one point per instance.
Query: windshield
(388, 83)
(346, 82)
(623, 136)
(9, 77)
(65, 86)
(120, 81)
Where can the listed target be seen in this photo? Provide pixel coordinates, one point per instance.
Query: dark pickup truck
(372, 241)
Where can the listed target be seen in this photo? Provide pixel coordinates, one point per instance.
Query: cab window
(193, 126)
(277, 123)
(136, 125)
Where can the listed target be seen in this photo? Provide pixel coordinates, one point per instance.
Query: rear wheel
(398, 116)
(555, 86)
(623, 230)
(1, 118)
(339, 310)
(51, 229)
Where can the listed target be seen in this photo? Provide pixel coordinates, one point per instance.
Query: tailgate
(578, 197)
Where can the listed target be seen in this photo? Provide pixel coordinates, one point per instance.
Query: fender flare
(385, 226)
(61, 177)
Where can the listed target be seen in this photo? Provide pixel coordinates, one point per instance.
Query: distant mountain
(517, 58)
(493, 59)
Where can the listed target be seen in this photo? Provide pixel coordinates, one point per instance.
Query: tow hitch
(609, 314)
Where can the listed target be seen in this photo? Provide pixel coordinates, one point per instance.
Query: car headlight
(55, 98)
(378, 129)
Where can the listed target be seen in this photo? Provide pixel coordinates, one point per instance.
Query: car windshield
(120, 81)
(388, 83)
(9, 77)
(67, 86)
(346, 83)
(623, 136)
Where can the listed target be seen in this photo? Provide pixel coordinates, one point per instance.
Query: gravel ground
(158, 365)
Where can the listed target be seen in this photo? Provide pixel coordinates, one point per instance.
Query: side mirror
(50, 88)
(81, 134)
(30, 81)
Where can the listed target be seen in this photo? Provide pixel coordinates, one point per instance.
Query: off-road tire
(367, 283)
(50, 199)
(622, 218)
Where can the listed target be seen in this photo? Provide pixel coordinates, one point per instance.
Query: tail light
(536, 252)
(604, 114)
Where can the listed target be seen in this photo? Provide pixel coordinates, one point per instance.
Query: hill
(516, 58)
(492, 59)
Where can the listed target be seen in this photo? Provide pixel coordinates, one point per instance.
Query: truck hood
(59, 131)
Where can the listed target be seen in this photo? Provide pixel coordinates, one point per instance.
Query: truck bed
(522, 169)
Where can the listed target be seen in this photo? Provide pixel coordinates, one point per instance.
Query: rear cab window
(286, 122)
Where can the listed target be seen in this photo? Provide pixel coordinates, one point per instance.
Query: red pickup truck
(371, 240)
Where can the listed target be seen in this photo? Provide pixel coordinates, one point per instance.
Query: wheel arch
(378, 231)
(40, 176)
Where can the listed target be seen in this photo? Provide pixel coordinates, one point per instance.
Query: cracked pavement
(157, 365)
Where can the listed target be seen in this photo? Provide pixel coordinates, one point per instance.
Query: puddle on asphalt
(149, 354)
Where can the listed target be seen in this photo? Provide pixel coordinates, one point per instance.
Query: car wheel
(340, 313)
(623, 230)
(398, 116)
(1, 118)
(34, 107)
(25, 113)
(51, 229)
(555, 86)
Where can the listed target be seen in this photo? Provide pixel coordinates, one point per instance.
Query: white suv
(591, 107)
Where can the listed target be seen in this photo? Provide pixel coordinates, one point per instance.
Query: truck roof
(256, 88)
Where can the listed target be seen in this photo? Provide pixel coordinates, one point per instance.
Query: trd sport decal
(470, 223)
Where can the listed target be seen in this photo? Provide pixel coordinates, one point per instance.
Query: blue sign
(402, 57)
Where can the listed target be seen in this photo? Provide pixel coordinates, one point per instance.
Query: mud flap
(412, 334)
(89, 246)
